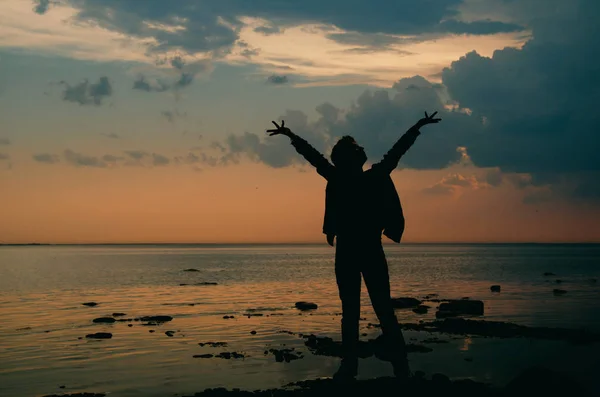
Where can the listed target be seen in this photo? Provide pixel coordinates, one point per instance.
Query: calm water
(42, 290)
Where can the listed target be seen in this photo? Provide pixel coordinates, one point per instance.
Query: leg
(377, 281)
(348, 281)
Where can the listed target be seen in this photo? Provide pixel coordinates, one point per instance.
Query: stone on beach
(306, 305)
(213, 344)
(99, 335)
(405, 303)
(158, 319)
(285, 355)
(421, 309)
(460, 307)
(106, 320)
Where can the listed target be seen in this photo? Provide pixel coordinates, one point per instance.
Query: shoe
(347, 371)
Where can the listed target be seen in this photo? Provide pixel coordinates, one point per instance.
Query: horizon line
(305, 243)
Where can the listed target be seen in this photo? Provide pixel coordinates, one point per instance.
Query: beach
(230, 317)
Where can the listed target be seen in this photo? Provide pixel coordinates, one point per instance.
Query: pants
(354, 257)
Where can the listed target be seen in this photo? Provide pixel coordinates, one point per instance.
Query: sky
(126, 121)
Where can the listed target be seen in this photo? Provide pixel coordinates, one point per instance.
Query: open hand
(428, 120)
(283, 130)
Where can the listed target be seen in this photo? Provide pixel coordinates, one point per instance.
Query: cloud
(4, 141)
(277, 80)
(81, 160)
(4, 156)
(494, 177)
(268, 29)
(131, 158)
(41, 6)
(453, 183)
(185, 25)
(538, 101)
(46, 158)
(142, 84)
(246, 50)
(178, 62)
(142, 158)
(111, 159)
(185, 74)
(111, 135)
(478, 27)
(86, 93)
(172, 115)
(184, 80)
(273, 151)
(376, 119)
(159, 160)
(193, 27)
(136, 154)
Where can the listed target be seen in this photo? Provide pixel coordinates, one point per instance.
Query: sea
(245, 295)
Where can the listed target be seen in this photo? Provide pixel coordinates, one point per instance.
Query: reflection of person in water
(359, 206)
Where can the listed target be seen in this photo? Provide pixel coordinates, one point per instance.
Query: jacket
(365, 204)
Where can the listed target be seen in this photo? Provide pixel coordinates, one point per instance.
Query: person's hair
(340, 155)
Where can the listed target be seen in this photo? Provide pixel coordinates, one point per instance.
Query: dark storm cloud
(528, 111)
(4, 141)
(540, 101)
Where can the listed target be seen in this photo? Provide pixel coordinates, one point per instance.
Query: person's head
(347, 154)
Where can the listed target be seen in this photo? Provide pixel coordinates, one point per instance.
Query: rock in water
(405, 303)
(158, 319)
(107, 320)
(306, 305)
(99, 335)
(557, 291)
(495, 288)
(460, 307)
(90, 304)
(421, 309)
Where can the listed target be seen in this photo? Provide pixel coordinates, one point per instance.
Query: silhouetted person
(359, 207)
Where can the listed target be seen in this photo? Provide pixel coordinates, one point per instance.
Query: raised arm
(392, 157)
(312, 155)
